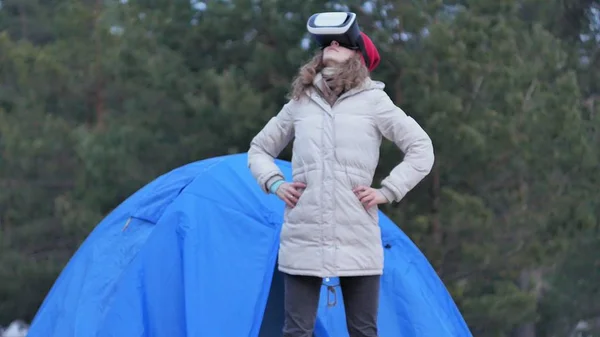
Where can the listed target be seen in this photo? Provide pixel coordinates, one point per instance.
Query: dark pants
(361, 302)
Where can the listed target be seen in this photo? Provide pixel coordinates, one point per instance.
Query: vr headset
(341, 27)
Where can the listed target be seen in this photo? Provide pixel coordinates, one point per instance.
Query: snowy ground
(15, 329)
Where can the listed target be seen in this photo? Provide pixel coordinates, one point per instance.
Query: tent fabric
(193, 254)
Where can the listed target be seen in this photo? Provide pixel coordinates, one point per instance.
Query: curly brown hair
(352, 73)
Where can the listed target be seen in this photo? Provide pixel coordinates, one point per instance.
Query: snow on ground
(17, 328)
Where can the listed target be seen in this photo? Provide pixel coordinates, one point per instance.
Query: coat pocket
(300, 212)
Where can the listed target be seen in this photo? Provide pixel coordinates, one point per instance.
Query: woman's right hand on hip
(290, 192)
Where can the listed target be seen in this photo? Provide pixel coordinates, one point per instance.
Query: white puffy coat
(336, 148)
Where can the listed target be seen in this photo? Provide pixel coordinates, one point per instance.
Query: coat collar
(319, 83)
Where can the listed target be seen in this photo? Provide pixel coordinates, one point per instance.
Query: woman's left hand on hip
(369, 196)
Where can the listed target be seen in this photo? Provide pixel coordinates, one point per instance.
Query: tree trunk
(23, 21)
(529, 280)
(99, 86)
(436, 227)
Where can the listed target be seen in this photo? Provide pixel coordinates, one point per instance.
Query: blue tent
(193, 254)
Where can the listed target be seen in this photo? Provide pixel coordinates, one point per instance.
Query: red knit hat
(371, 52)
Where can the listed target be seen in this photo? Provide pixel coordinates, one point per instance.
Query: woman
(337, 117)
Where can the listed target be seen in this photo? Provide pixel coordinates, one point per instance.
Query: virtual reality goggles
(341, 27)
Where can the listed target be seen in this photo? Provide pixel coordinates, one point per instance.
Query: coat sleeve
(412, 140)
(267, 145)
